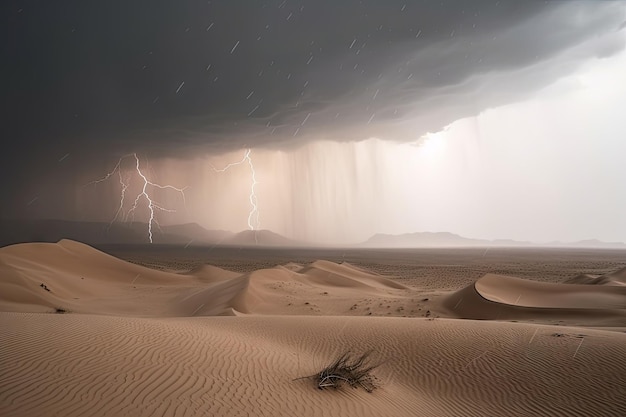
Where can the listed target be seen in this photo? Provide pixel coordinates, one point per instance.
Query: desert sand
(173, 331)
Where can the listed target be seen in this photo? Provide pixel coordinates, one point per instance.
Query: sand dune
(142, 342)
(75, 277)
(525, 293)
(498, 297)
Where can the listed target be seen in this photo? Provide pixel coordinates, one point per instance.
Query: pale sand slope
(103, 359)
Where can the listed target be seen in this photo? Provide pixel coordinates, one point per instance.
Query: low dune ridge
(323, 288)
(617, 278)
(346, 275)
(209, 341)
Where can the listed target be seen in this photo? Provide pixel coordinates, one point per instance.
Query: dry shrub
(348, 368)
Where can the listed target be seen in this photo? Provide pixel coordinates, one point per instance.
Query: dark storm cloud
(177, 74)
(180, 77)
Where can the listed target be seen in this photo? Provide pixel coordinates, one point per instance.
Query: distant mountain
(446, 239)
(260, 238)
(52, 230)
(98, 233)
(191, 232)
(433, 239)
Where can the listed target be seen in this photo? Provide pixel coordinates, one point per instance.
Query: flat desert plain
(197, 331)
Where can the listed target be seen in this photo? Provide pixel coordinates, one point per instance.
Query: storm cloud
(177, 82)
(177, 77)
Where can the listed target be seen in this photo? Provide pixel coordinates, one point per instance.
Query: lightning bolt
(144, 194)
(253, 198)
(254, 222)
(124, 185)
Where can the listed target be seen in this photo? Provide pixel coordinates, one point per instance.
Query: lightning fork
(151, 203)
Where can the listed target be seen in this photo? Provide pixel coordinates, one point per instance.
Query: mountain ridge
(447, 239)
(92, 232)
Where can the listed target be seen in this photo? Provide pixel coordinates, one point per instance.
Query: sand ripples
(97, 365)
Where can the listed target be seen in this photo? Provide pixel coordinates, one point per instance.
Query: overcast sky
(335, 100)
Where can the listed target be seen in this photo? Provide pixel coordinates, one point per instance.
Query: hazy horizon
(186, 234)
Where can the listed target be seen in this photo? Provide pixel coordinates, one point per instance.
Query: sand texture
(88, 333)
